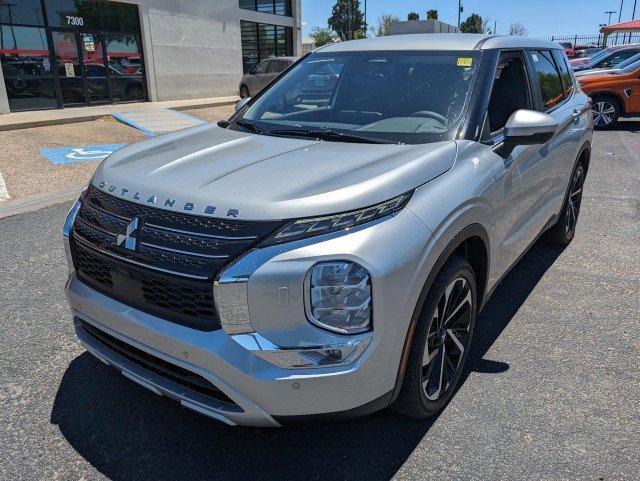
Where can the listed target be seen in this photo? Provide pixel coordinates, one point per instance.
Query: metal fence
(613, 39)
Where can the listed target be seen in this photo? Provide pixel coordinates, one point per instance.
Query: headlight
(300, 229)
(339, 297)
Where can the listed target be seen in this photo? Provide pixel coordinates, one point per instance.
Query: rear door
(556, 96)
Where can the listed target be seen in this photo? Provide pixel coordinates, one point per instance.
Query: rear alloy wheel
(605, 112)
(564, 230)
(440, 342)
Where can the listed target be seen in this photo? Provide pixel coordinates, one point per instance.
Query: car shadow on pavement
(128, 433)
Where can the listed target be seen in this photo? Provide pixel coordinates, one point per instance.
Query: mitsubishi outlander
(326, 250)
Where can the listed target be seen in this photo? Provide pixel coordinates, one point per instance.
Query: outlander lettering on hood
(155, 200)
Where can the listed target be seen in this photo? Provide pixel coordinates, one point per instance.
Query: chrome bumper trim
(308, 357)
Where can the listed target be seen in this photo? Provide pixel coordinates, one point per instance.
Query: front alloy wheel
(604, 113)
(440, 342)
(448, 339)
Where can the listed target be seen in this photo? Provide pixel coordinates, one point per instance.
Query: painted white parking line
(4, 193)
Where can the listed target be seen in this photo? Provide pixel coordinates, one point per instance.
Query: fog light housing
(338, 297)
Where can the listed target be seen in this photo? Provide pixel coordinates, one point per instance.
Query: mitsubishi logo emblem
(128, 238)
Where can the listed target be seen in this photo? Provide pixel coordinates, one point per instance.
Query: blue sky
(541, 17)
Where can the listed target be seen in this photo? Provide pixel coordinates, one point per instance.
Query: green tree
(384, 23)
(412, 16)
(321, 36)
(432, 15)
(347, 20)
(473, 24)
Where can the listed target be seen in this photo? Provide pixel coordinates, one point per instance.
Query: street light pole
(610, 12)
(459, 11)
(620, 12)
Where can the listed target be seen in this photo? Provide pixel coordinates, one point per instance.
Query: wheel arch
(610, 93)
(584, 155)
(473, 244)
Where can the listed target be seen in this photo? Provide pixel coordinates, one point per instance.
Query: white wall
(195, 46)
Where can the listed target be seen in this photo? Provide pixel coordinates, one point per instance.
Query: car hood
(224, 173)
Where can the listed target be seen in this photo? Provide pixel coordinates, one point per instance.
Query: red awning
(632, 26)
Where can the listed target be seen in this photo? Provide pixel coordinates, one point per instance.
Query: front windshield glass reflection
(394, 96)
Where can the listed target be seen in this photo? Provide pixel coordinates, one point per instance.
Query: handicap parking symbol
(76, 154)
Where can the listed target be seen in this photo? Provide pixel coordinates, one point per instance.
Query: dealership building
(72, 53)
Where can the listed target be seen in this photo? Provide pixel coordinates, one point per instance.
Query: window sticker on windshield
(464, 61)
(534, 57)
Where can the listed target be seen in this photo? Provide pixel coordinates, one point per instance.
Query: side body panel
(522, 183)
(463, 196)
(634, 101)
(574, 119)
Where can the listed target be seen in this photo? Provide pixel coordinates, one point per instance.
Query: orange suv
(615, 94)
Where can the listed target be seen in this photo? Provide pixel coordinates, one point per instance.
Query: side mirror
(527, 127)
(242, 102)
(252, 71)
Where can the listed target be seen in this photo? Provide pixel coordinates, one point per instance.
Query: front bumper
(264, 381)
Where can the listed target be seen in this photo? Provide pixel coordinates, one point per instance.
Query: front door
(634, 100)
(82, 71)
(521, 175)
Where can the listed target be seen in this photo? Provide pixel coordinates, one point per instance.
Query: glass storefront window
(124, 59)
(278, 7)
(21, 11)
(87, 52)
(120, 17)
(74, 13)
(260, 41)
(27, 68)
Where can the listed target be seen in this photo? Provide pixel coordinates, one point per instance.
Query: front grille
(171, 372)
(171, 270)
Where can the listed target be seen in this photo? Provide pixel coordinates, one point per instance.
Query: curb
(38, 201)
(4, 193)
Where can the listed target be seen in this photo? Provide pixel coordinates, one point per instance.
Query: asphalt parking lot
(552, 389)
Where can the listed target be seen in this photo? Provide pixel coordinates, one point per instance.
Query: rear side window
(565, 72)
(548, 78)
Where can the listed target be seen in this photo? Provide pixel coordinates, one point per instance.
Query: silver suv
(326, 251)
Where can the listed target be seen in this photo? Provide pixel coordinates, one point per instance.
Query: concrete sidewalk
(25, 120)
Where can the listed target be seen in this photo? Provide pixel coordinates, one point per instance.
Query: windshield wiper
(330, 135)
(247, 124)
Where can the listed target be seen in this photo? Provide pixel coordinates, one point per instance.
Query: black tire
(244, 92)
(563, 231)
(417, 396)
(606, 111)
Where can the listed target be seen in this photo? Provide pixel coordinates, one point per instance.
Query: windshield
(600, 54)
(387, 96)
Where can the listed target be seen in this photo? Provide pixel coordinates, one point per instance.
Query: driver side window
(510, 91)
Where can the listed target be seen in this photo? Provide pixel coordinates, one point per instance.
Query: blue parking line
(78, 154)
(132, 123)
(189, 116)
